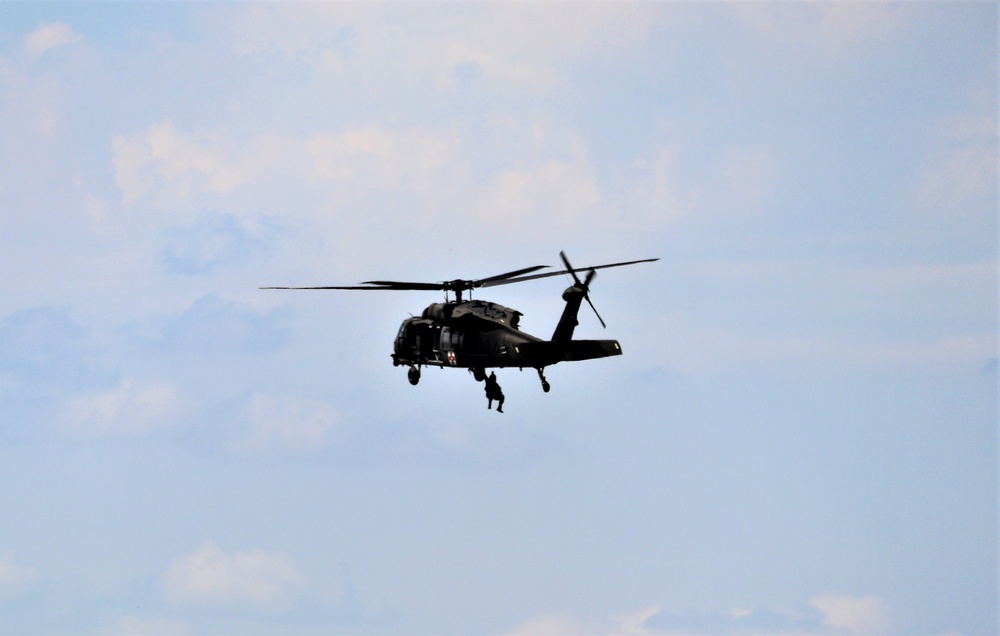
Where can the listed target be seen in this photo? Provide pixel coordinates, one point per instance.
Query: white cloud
(286, 424)
(403, 46)
(210, 576)
(138, 170)
(861, 299)
(705, 349)
(337, 156)
(965, 174)
(963, 170)
(635, 623)
(661, 198)
(630, 624)
(129, 409)
(49, 36)
(351, 180)
(190, 163)
(972, 349)
(856, 614)
(977, 275)
(179, 155)
(832, 30)
(131, 156)
(828, 614)
(553, 195)
(747, 177)
(374, 157)
(550, 625)
(147, 626)
(212, 324)
(14, 576)
(177, 166)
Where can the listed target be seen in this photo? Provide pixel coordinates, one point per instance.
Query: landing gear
(413, 375)
(545, 383)
(478, 373)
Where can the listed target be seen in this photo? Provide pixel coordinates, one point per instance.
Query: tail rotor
(584, 285)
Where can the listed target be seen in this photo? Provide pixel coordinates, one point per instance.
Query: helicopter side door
(418, 341)
(451, 339)
(450, 345)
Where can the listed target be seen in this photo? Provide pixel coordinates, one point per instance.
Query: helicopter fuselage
(467, 334)
(477, 335)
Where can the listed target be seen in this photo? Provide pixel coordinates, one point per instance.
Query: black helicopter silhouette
(478, 335)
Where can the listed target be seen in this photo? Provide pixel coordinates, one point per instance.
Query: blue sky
(800, 438)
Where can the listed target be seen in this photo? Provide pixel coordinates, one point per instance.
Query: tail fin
(567, 322)
(574, 296)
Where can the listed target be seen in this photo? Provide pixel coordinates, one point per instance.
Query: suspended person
(493, 392)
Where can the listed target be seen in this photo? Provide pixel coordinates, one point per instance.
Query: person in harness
(493, 392)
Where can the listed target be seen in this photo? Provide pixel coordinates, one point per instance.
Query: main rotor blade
(566, 271)
(401, 286)
(451, 285)
(519, 272)
(397, 285)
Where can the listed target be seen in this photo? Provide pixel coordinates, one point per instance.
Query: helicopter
(477, 335)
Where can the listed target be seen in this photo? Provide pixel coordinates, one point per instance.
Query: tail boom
(554, 351)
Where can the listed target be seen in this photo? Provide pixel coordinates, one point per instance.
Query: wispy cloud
(14, 576)
(132, 408)
(825, 614)
(45, 348)
(210, 576)
(212, 324)
(522, 46)
(856, 614)
(49, 36)
(213, 240)
(549, 625)
(138, 625)
(840, 32)
(959, 178)
(283, 425)
(190, 163)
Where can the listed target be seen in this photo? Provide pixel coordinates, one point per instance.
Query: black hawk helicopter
(478, 334)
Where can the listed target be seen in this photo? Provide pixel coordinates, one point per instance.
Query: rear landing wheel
(413, 375)
(545, 383)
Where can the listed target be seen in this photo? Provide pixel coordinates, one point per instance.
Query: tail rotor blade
(569, 268)
(595, 311)
(591, 275)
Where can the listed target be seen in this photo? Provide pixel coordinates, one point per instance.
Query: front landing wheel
(413, 375)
